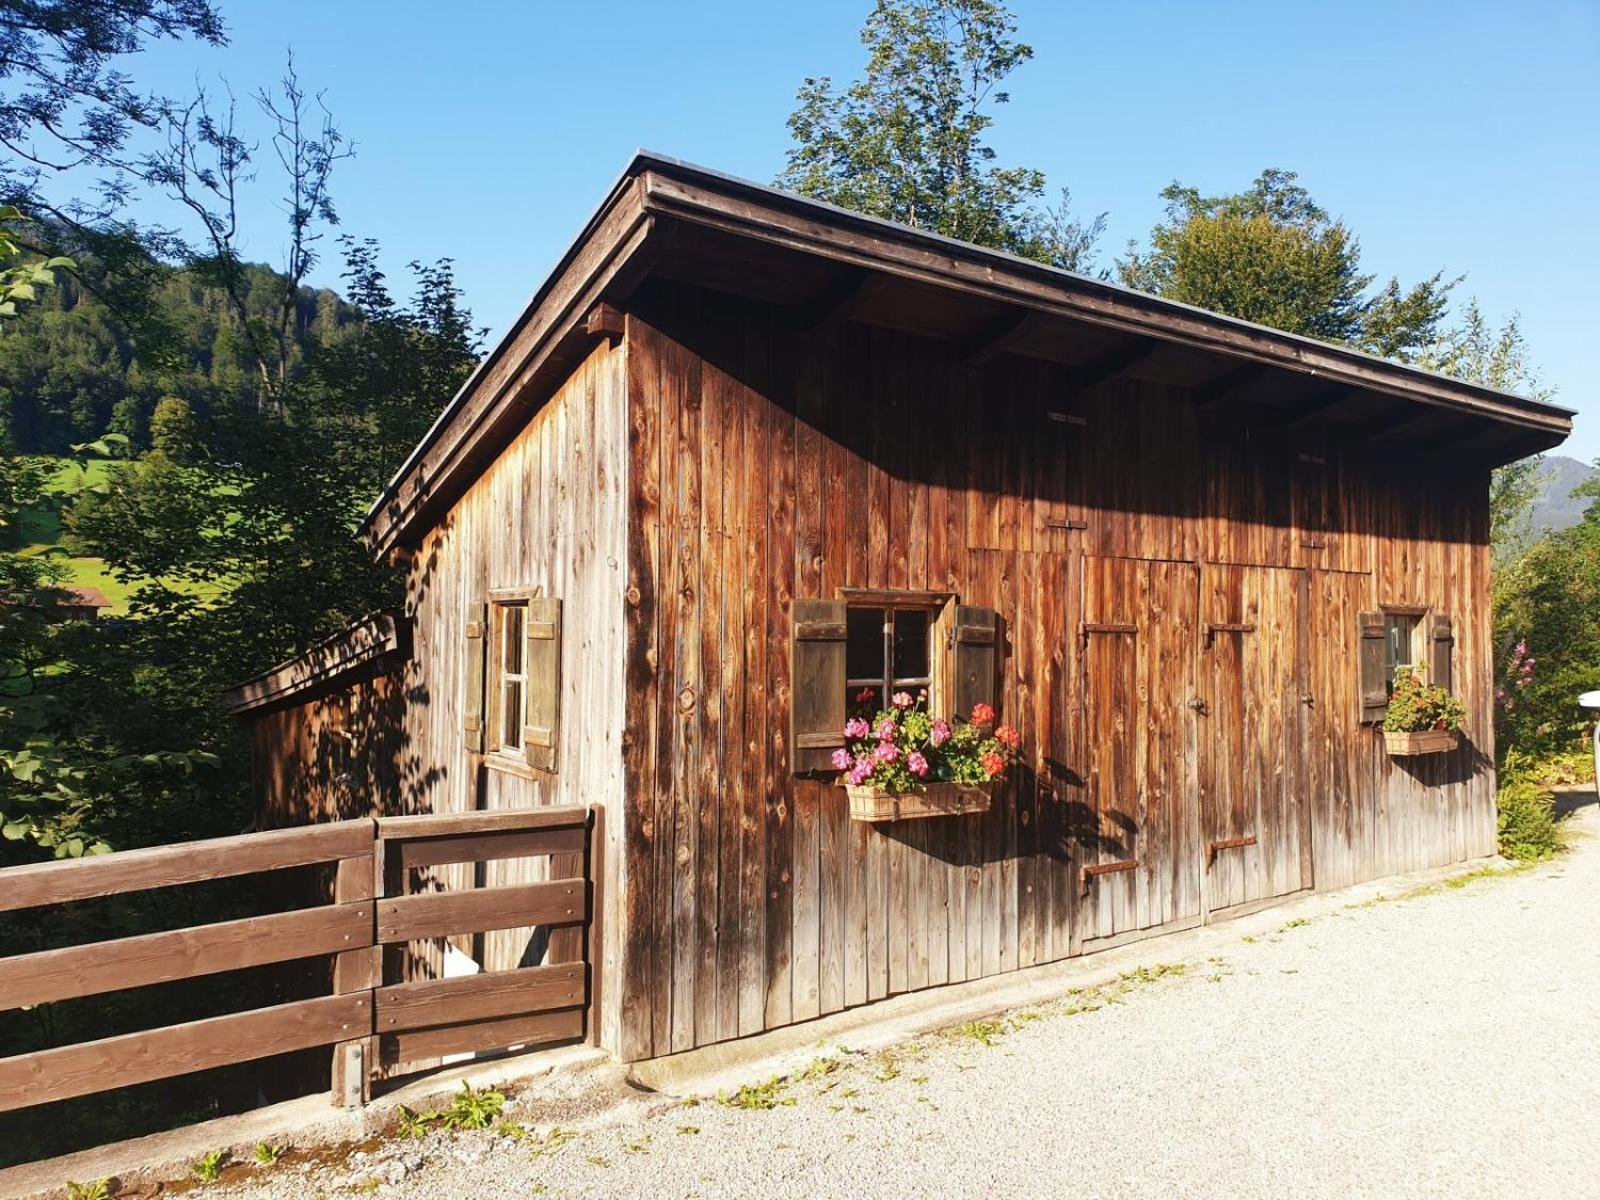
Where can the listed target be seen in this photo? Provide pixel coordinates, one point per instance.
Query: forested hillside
(73, 367)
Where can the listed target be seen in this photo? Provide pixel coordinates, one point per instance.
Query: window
(510, 686)
(1400, 642)
(886, 651)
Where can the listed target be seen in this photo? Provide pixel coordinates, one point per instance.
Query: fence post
(594, 871)
(355, 970)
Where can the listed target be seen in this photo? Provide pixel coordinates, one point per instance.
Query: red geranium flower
(1008, 737)
(982, 714)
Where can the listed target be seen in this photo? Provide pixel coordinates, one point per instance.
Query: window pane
(511, 716)
(1400, 642)
(911, 643)
(511, 638)
(863, 652)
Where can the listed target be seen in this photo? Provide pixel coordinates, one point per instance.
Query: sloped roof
(824, 263)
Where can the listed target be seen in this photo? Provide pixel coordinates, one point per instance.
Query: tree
(907, 141)
(1272, 255)
(1496, 357)
(173, 430)
(64, 104)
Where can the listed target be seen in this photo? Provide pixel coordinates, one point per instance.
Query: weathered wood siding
(766, 465)
(548, 513)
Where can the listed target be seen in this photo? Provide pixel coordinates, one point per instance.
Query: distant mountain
(1556, 507)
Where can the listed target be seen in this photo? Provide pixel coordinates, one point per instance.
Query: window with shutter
(1373, 660)
(542, 694)
(476, 649)
(817, 684)
(519, 679)
(1441, 650)
(975, 659)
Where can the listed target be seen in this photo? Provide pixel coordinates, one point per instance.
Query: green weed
(209, 1167)
(473, 1109)
(757, 1096)
(267, 1154)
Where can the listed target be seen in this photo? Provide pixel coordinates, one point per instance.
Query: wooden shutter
(1441, 648)
(816, 693)
(476, 649)
(975, 659)
(1373, 667)
(541, 724)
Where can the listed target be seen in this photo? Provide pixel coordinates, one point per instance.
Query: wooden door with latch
(1137, 845)
(1252, 704)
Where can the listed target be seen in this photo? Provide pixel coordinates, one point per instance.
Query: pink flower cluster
(1519, 674)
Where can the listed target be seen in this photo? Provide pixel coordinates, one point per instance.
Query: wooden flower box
(1429, 741)
(868, 803)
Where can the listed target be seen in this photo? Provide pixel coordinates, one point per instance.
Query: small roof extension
(822, 264)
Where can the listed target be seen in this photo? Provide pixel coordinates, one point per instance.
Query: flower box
(1428, 741)
(870, 803)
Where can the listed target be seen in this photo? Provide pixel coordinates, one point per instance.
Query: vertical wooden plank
(735, 799)
(759, 707)
(710, 793)
(640, 811)
(688, 690)
(780, 790)
(356, 970)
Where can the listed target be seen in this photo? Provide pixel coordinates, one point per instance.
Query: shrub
(1527, 825)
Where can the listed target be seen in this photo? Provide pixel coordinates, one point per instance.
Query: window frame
(890, 602)
(499, 751)
(1417, 615)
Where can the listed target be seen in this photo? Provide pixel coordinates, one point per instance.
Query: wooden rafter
(1402, 424)
(998, 337)
(1116, 363)
(1229, 386)
(1319, 408)
(839, 301)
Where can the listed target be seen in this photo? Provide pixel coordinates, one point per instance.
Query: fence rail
(367, 1019)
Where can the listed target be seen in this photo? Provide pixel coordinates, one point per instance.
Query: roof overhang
(379, 640)
(825, 264)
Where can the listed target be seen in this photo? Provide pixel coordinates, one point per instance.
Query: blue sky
(1460, 134)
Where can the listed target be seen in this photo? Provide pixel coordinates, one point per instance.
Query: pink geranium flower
(887, 729)
(887, 752)
(857, 727)
(917, 765)
(941, 732)
(842, 760)
(902, 700)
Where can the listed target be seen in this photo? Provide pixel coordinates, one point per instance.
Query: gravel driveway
(1441, 1044)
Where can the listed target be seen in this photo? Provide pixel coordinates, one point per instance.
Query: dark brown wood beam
(997, 337)
(1398, 425)
(1229, 386)
(840, 301)
(1319, 407)
(605, 320)
(1449, 441)
(1116, 363)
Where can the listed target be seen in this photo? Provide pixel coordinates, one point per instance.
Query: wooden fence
(368, 1020)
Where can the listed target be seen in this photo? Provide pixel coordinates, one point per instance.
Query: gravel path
(1443, 1044)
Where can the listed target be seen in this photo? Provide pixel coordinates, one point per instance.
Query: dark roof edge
(357, 644)
(646, 159)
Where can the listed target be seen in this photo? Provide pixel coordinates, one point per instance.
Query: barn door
(1137, 849)
(1253, 690)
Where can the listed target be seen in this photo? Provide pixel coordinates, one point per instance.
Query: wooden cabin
(737, 435)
